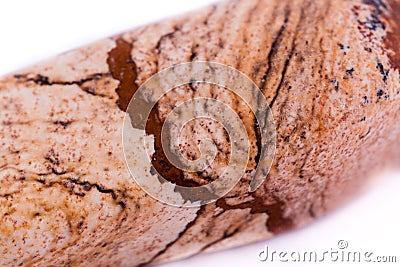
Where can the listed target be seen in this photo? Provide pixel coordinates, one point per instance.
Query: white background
(33, 30)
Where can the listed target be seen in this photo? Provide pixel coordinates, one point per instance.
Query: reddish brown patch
(123, 68)
(392, 40)
(276, 222)
(159, 160)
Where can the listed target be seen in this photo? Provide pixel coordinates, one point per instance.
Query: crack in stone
(69, 183)
(200, 211)
(224, 236)
(285, 67)
(274, 50)
(64, 124)
(287, 61)
(6, 195)
(271, 54)
(160, 41)
(85, 186)
(42, 80)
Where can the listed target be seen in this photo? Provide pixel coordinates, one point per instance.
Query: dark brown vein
(183, 232)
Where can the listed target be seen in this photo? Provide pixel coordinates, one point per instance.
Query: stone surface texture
(329, 69)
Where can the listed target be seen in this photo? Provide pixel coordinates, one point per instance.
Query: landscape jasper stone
(329, 70)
